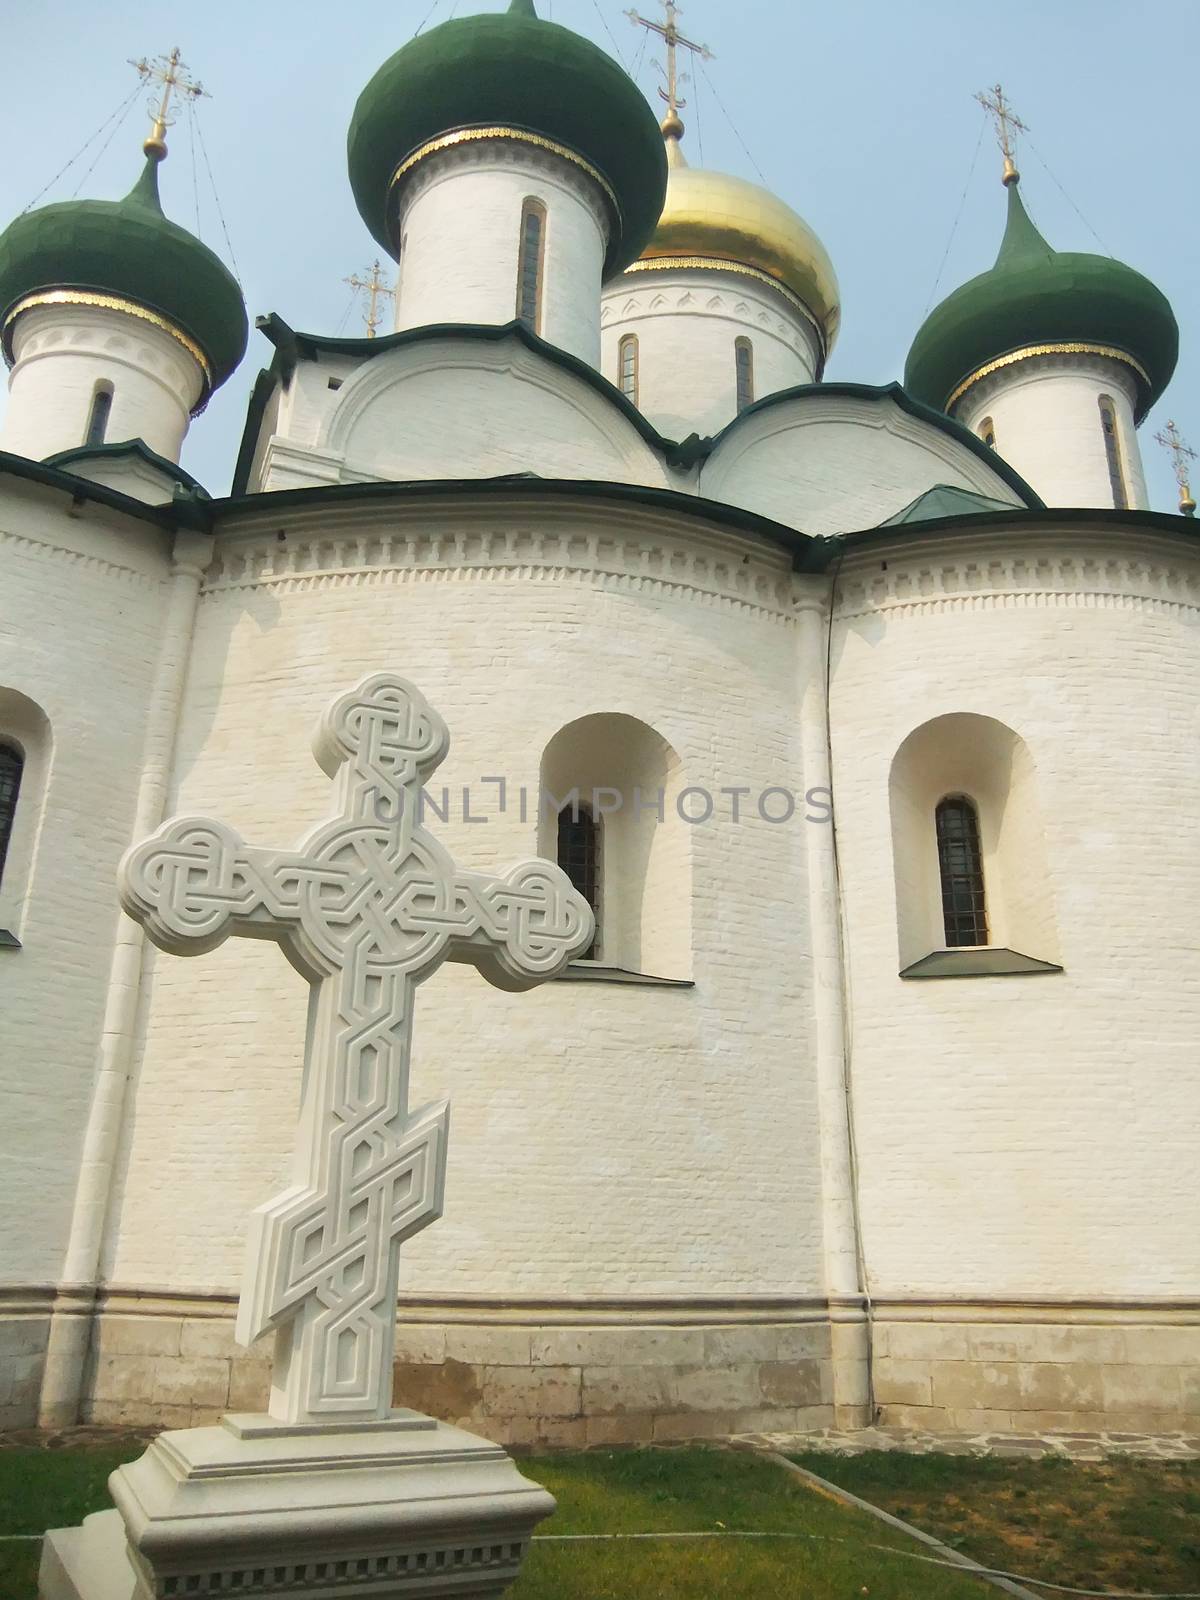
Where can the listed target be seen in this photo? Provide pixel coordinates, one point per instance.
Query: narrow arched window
(743, 352)
(530, 263)
(987, 432)
(960, 861)
(579, 844)
(628, 364)
(12, 763)
(1112, 453)
(97, 427)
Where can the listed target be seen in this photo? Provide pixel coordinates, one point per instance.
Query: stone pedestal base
(255, 1508)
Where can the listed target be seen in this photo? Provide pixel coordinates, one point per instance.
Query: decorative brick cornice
(44, 550)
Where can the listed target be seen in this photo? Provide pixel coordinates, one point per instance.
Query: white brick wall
(604, 1140)
(79, 618)
(1032, 1136)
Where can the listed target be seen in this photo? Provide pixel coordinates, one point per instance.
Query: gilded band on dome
(1060, 348)
(448, 141)
(106, 302)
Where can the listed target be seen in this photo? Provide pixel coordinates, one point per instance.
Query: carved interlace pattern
(366, 908)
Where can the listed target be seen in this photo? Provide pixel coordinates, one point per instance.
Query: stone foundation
(574, 1377)
(23, 1338)
(1105, 1369)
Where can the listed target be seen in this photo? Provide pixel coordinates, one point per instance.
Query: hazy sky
(859, 114)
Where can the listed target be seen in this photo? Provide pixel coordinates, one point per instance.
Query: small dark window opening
(579, 857)
(987, 432)
(12, 764)
(629, 367)
(1112, 453)
(98, 418)
(744, 358)
(336, 383)
(529, 268)
(960, 861)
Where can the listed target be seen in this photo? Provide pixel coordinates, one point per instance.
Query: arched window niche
(621, 780)
(971, 775)
(25, 741)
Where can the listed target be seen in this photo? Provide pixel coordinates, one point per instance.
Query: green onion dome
(1036, 299)
(125, 253)
(510, 70)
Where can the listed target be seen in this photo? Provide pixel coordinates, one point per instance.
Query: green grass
(700, 1490)
(630, 1491)
(1120, 1524)
(42, 1489)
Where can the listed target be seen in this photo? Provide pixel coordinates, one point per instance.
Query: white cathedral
(875, 711)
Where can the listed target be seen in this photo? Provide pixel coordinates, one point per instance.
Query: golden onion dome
(713, 218)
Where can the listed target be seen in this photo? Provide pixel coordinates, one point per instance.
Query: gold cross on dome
(373, 286)
(675, 41)
(1007, 123)
(1173, 441)
(172, 72)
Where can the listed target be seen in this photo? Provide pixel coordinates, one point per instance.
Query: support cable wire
(116, 128)
(957, 219)
(609, 32)
(121, 110)
(1046, 165)
(699, 124)
(428, 14)
(732, 123)
(191, 114)
(640, 57)
(217, 199)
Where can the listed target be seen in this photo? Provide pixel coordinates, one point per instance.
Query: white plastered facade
(655, 1228)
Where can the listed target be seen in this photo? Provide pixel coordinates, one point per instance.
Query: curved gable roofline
(900, 397)
(292, 347)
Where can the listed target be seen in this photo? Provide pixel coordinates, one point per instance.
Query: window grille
(1112, 453)
(744, 357)
(529, 268)
(11, 766)
(629, 367)
(579, 857)
(960, 860)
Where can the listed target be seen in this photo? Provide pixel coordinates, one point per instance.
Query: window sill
(9, 941)
(597, 972)
(978, 961)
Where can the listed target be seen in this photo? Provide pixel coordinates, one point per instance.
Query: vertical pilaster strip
(844, 1287)
(71, 1319)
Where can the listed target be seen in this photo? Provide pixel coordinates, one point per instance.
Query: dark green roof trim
(512, 70)
(260, 397)
(825, 552)
(130, 250)
(907, 402)
(944, 500)
(993, 962)
(130, 447)
(273, 502)
(85, 489)
(291, 348)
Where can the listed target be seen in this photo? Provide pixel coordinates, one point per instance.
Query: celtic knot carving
(367, 907)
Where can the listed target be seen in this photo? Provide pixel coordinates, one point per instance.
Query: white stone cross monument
(366, 908)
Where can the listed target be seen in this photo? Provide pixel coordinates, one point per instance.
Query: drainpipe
(845, 1275)
(75, 1299)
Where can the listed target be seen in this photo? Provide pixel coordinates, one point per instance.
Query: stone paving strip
(911, 1441)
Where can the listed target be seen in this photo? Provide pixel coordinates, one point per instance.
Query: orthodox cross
(172, 72)
(375, 289)
(1173, 441)
(675, 42)
(366, 908)
(1007, 123)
